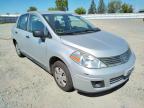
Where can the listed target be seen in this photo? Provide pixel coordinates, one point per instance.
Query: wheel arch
(53, 59)
(14, 42)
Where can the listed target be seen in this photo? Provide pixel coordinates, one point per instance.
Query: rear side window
(22, 22)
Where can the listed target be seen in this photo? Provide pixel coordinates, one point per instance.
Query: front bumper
(111, 76)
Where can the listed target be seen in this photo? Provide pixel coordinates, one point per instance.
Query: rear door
(21, 32)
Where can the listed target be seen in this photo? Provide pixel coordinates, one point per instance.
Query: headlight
(86, 60)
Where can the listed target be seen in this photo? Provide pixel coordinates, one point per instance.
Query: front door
(37, 45)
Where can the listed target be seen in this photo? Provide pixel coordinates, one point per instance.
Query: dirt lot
(25, 85)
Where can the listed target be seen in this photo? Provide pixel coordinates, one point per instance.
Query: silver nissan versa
(79, 55)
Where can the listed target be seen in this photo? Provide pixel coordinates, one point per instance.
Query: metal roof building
(8, 18)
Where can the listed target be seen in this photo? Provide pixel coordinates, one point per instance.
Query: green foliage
(80, 10)
(131, 9)
(52, 9)
(32, 8)
(62, 5)
(126, 8)
(101, 7)
(92, 9)
(2, 22)
(114, 6)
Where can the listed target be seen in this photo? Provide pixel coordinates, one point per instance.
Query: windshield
(68, 24)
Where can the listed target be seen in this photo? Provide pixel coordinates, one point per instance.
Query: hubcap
(60, 76)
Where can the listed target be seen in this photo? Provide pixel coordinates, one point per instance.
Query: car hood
(100, 44)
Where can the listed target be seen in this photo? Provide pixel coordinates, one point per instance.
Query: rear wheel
(18, 50)
(62, 76)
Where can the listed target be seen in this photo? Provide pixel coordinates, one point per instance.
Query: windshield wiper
(80, 32)
(67, 33)
(91, 30)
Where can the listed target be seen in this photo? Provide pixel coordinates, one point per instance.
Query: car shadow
(101, 93)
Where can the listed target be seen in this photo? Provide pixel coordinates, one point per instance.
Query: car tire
(62, 76)
(19, 53)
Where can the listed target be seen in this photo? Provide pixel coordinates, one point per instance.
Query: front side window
(35, 24)
(68, 24)
(22, 22)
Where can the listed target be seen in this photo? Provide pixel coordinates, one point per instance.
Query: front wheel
(62, 76)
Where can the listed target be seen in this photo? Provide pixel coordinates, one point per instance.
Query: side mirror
(38, 34)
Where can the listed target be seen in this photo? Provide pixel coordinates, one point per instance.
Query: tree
(126, 8)
(80, 10)
(114, 6)
(32, 8)
(131, 9)
(52, 9)
(62, 5)
(92, 9)
(101, 7)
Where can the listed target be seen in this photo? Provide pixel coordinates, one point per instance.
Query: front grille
(116, 60)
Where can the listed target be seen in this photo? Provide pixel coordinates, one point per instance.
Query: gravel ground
(25, 85)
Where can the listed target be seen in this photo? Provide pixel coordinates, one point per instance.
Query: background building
(8, 18)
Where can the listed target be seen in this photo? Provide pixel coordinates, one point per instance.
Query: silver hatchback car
(78, 54)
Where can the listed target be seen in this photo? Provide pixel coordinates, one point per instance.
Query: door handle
(27, 37)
